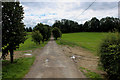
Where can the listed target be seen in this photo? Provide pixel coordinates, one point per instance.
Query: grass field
(29, 44)
(88, 40)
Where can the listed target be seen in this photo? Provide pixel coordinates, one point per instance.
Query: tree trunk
(39, 43)
(56, 38)
(42, 41)
(11, 56)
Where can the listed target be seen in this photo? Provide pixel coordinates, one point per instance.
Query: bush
(109, 51)
(37, 37)
(56, 32)
(45, 30)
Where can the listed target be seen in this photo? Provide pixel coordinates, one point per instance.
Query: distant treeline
(94, 25)
(28, 29)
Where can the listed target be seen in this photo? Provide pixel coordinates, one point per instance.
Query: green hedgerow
(109, 52)
(37, 37)
(56, 32)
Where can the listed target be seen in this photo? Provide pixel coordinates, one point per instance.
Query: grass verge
(17, 69)
(90, 74)
(21, 66)
(29, 44)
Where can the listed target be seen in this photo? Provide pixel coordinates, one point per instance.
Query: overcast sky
(48, 12)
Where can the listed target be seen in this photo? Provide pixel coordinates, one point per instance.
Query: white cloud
(48, 12)
(69, 0)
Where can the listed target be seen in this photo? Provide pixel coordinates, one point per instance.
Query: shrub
(37, 37)
(56, 32)
(109, 52)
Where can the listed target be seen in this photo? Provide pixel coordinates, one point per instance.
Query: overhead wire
(86, 9)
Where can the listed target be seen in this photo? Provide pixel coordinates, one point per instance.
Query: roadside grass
(17, 69)
(29, 44)
(29, 33)
(87, 40)
(20, 66)
(90, 74)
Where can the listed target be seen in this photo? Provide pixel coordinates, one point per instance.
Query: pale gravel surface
(51, 62)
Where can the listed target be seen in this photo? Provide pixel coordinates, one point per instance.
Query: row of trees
(56, 33)
(94, 25)
(67, 26)
(44, 30)
(28, 29)
(37, 36)
(104, 25)
(13, 30)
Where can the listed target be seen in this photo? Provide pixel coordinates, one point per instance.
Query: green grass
(21, 66)
(17, 69)
(90, 74)
(64, 42)
(88, 40)
(29, 44)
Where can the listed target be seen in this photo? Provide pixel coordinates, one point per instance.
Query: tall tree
(109, 24)
(12, 27)
(0, 26)
(27, 29)
(48, 33)
(30, 29)
(94, 24)
(36, 37)
(56, 32)
(44, 30)
(86, 26)
(67, 26)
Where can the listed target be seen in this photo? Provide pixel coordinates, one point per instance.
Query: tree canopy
(28, 29)
(45, 30)
(12, 27)
(56, 32)
(94, 25)
(37, 37)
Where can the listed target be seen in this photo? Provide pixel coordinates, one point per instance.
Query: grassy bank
(29, 44)
(88, 40)
(90, 74)
(20, 66)
(17, 69)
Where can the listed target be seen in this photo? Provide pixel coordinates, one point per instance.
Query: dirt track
(51, 62)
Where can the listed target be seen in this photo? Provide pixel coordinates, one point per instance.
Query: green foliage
(45, 30)
(109, 52)
(56, 32)
(37, 37)
(12, 27)
(29, 44)
(28, 29)
(48, 33)
(67, 26)
(16, 70)
(109, 24)
(94, 25)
